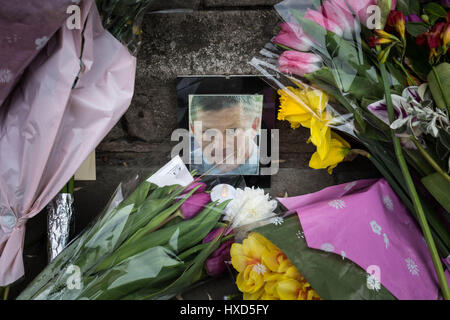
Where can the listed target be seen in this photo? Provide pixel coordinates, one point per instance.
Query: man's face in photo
(239, 126)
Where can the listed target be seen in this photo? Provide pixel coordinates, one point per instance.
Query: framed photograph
(225, 117)
(234, 122)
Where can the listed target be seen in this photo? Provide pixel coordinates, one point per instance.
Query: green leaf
(329, 275)
(416, 28)
(408, 7)
(444, 138)
(434, 10)
(439, 188)
(314, 31)
(443, 73)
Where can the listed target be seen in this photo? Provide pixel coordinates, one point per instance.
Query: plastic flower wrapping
(151, 242)
(89, 75)
(371, 78)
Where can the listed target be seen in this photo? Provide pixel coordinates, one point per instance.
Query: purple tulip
(195, 184)
(192, 206)
(216, 233)
(413, 18)
(215, 264)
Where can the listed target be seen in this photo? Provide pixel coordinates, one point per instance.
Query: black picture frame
(230, 85)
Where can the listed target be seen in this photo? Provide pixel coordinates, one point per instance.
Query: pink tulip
(192, 206)
(358, 6)
(323, 21)
(343, 18)
(299, 63)
(293, 36)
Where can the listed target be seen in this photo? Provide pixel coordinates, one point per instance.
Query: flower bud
(192, 206)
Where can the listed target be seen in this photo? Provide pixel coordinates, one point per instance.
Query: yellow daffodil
(265, 272)
(291, 289)
(299, 105)
(339, 148)
(258, 295)
(321, 134)
(252, 279)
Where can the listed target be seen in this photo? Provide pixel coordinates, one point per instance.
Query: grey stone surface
(152, 114)
(157, 5)
(202, 42)
(239, 3)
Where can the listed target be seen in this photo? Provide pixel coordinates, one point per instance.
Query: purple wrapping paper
(364, 221)
(48, 129)
(25, 28)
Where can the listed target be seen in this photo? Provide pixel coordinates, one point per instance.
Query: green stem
(430, 159)
(5, 293)
(441, 88)
(413, 192)
(71, 185)
(412, 82)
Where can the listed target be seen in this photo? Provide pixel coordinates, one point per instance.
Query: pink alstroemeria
(299, 63)
(293, 36)
(320, 19)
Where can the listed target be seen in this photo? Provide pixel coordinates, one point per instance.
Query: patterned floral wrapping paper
(25, 28)
(49, 127)
(365, 222)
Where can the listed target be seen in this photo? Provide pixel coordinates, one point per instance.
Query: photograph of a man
(224, 133)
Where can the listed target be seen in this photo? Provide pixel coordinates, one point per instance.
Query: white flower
(259, 268)
(328, 247)
(248, 206)
(373, 283)
(386, 240)
(337, 204)
(388, 203)
(300, 234)
(278, 221)
(375, 227)
(412, 266)
(40, 42)
(5, 75)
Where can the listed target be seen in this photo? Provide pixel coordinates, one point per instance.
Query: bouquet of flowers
(89, 73)
(377, 71)
(149, 244)
(313, 254)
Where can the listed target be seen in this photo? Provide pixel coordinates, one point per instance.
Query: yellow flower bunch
(265, 273)
(306, 107)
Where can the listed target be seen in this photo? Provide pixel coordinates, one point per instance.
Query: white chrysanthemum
(248, 206)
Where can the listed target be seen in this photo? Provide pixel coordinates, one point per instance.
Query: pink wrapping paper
(47, 130)
(25, 28)
(364, 221)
